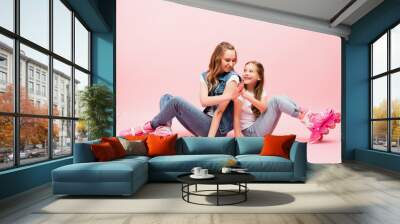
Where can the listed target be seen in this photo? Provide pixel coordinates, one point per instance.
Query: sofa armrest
(298, 155)
(83, 152)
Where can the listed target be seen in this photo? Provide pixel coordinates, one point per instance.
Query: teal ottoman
(118, 177)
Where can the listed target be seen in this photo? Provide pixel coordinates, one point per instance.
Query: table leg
(217, 194)
(196, 188)
(188, 189)
(245, 193)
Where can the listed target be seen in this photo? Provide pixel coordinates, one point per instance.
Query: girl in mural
(218, 86)
(254, 115)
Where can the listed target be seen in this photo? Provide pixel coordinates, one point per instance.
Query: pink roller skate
(320, 123)
(142, 130)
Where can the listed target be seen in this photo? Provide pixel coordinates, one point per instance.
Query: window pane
(7, 14)
(62, 89)
(35, 21)
(81, 81)
(6, 142)
(81, 45)
(395, 136)
(81, 131)
(62, 29)
(395, 94)
(379, 55)
(379, 97)
(379, 135)
(34, 78)
(62, 138)
(6, 74)
(395, 47)
(33, 140)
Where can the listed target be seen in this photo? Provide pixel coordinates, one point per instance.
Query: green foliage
(380, 127)
(97, 103)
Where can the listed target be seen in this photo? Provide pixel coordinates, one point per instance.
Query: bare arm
(259, 104)
(230, 90)
(237, 105)
(206, 100)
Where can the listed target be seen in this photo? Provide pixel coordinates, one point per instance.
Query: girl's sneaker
(163, 131)
(142, 130)
(125, 132)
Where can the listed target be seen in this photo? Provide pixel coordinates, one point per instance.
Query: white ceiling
(320, 9)
(316, 15)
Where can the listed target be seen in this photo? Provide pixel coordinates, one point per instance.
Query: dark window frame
(16, 114)
(388, 74)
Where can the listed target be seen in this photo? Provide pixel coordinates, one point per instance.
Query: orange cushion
(103, 151)
(116, 145)
(277, 145)
(136, 138)
(161, 145)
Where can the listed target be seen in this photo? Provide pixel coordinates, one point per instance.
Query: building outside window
(35, 73)
(30, 87)
(3, 78)
(43, 90)
(30, 72)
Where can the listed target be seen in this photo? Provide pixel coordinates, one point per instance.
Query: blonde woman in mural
(218, 86)
(255, 115)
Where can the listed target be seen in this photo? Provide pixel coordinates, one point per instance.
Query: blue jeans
(193, 119)
(267, 121)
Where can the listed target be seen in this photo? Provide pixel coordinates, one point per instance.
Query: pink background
(162, 47)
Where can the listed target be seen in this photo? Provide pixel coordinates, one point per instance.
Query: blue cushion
(133, 157)
(257, 163)
(111, 171)
(249, 145)
(205, 145)
(185, 163)
(83, 153)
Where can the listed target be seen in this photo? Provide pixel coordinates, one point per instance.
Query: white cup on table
(203, 172)
(196, 171)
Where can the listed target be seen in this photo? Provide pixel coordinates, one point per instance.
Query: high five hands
(238, 91)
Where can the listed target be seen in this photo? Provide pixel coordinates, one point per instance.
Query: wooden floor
(377, 188)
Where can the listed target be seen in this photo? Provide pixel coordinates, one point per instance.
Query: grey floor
(377, 188)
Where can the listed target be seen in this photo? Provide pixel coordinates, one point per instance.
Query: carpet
(166, 198)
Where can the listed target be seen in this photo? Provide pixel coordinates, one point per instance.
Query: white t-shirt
(247, 118)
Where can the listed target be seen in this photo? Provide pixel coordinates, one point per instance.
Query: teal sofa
(125, 176)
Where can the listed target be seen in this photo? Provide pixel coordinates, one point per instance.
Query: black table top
(220, 178)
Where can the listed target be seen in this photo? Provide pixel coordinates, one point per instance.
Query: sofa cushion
(275, 145)
(111, 171)
(161, 145)
(205, 145)
(116, 145)
(131, 158)
(83, 152)
(249, 145)
(134, 147)
(185, 163)
(103, 152)
(257, 163)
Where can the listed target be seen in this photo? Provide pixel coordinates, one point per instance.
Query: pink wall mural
(162, 47)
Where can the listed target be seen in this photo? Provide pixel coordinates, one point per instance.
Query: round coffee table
(238, 179)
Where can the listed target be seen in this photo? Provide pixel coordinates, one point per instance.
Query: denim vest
(226, 123)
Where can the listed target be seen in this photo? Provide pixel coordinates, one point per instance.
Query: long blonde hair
(214, 68)
(258, 89)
